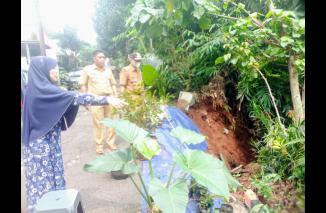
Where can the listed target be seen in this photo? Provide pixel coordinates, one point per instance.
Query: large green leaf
(125, 129)
(173, 199)
(187, 136)
(154, 30)
(232, 182)
(206, 170)
(148, 147)
(219, 60)
(149, 74)
(205, 23)
(113, 161)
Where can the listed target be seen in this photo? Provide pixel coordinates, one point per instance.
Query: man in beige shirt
(99, 80)
(130, 76)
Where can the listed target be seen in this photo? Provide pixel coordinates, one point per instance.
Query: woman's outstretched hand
(116, 102)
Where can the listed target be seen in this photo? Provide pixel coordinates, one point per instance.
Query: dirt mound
(225, 135)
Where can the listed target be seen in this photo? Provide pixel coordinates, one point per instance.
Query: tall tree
(109, 22)
(70, 46)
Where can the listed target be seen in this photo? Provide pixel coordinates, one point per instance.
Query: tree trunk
(295, 91)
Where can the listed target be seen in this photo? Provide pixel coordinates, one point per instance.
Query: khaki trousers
(98, 114)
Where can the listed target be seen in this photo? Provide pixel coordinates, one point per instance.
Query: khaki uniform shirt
(97, 81)
(129, 77)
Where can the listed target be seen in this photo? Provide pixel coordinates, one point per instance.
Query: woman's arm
(90, 99)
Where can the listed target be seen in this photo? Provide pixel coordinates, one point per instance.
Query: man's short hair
(96, 52)
(135, 56)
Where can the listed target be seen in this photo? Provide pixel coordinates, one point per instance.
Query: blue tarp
(163, 162)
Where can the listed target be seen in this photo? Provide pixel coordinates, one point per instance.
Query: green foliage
(206, 201)
(128, 131)
(109, 22)
(86, 55)
(65, 81)
(164, 86)
(207, 170)
(202, 195)
(147, 147)
(150, 20)
(136, 136)
(173, 198)
(71, 47)
(263, 184)
(284, 155)
(120, 160)
(68, 39)
(143, 109)
(248, 43)
(250, 40)
(64, 78)
(261, 208)
(149, 74)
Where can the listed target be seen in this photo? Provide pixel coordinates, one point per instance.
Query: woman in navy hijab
(47, 110)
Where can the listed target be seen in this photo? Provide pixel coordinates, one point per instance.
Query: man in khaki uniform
(99, 80)
(130, 76)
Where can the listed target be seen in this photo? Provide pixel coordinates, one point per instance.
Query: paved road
(100, 193)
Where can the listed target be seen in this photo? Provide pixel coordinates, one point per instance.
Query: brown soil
(225, 135)
(284, 198)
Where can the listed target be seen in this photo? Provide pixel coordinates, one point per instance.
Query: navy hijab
(45, 103)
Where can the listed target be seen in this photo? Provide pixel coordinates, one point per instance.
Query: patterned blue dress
(43, 161)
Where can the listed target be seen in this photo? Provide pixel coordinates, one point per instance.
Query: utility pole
(41, 32)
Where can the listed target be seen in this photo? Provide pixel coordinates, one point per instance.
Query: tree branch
(228, 17)
(273, 100)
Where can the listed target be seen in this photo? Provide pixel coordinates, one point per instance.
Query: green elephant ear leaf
(187, 136)
(206, 170)
(148, 147)
(125, 129)
(232, 182)
(113, 161)
(173, 199)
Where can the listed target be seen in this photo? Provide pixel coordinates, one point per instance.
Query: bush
(65, 82)
(284, 155)
(143, 108)
(263, 184)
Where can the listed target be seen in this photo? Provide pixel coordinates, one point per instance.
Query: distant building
(32, 30)
(31, 47)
